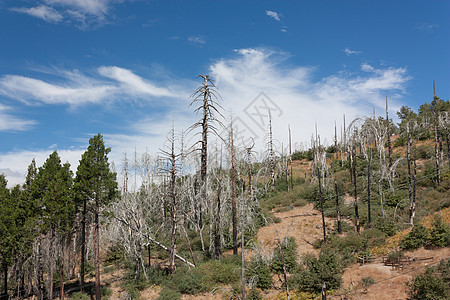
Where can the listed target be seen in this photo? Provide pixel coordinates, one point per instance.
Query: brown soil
(389, 283)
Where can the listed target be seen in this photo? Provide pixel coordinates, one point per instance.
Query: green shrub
(223, 271)
(327, 268)
(387, 227)
(187, 281)
(156, 275)
(80, 296)
(254, 294)
(105, 292)
(416, 238)
(258, 273)
(434, 283)
(289, 247)
(168, 294)
(367, 281)
(439, 233)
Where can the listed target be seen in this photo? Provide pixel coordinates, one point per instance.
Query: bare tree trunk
(436, 137)
(5, 278)
(97, 252)
(413, 204)
(242, 250)
(83, 244)
(290, 159)
(369, 215)
(388, 128)
(319, 174)
(408, 161)
(173, 212)
(61, 273)
(355, 191)
(233, 193)
(217, 244)
(51, 257)
(271, 154)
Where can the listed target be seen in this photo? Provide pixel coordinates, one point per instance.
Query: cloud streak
(82, 13)
(79, 89)
(351, 52)
(9, 122)
(43, 12)
(274, 15)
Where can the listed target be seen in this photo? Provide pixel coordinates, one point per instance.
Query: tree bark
(233, 191)
(97, 253)
(355, 192)
(83, 244)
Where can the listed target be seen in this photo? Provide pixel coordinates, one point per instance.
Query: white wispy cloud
(274, 15)
(79, 89)
(196, 39)
(9, 122)
(82, 13)
(351, 52)
(43, 12)
(301, 100)
(427, 26)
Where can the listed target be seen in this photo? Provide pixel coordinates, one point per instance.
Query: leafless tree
(206, 96)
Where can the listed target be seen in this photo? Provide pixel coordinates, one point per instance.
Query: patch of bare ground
(390, 283)
(303, 223)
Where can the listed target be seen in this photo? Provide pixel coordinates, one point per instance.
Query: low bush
(434, 283)
(315, 271)
(439, 233)
(187, 281)
(168, 294)
(416, 238)
(289, 247)
(224, 271)
(258, 273)
(367, 281)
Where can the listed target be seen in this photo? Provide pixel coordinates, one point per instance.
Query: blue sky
(72, 68)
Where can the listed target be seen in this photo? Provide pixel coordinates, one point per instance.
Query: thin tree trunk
(321, 203)
(51, 257)
(388, 128)
(217, 244)
(290, 159)
(271, 154)
(83, 244)
(355, 192)
(413, 204)
(5, 278)
(233, 194)
(369, 215)
(408, 161)
(97, 253)
(61, 274)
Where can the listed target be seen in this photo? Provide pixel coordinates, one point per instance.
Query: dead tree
(437, 137)
(408, 161)
(271, 154)
(388, 128)
(207, 96)
(319, 175)
(338, 213)
(233, 191)
(172, 164)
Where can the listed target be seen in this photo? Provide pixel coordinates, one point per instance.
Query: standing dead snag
(233, 191)
(437, 137)
(388, 128)
(172, 161)
(206, 95)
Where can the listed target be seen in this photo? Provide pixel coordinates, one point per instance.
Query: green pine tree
(96, 187)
